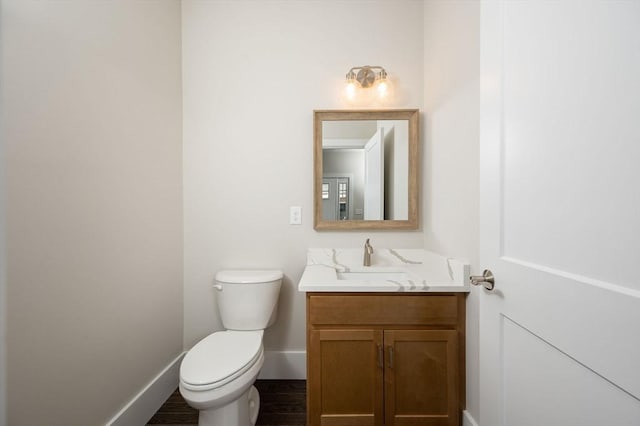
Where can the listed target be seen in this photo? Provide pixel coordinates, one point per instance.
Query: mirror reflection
(365, 169)
(365, 173)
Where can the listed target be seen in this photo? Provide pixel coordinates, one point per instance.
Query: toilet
(217, 374)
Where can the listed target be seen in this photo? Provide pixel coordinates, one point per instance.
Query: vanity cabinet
(385, 359)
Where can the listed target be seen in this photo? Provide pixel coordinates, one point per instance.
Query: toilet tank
(248, 300)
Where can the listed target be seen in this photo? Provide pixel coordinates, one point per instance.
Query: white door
(374, 177)
(329, 199)
(560, 213)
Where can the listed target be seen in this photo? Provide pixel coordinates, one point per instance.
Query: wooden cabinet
(421, 377)
(385, 359)
(344, 381)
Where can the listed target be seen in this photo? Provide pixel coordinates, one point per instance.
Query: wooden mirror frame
(345, 115)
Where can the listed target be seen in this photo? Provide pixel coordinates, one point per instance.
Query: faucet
(368, 250)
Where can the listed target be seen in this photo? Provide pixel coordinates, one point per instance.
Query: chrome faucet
(368, 251)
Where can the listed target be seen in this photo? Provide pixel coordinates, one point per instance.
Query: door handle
(390, 356)
(380, 357)
(486, 279)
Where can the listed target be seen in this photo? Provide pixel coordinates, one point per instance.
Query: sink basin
(373, 276)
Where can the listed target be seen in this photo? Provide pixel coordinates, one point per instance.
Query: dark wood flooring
(282, 403)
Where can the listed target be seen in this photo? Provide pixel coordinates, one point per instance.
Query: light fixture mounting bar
(366, 75)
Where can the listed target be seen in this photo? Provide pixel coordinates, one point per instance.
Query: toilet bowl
(216, 377)
(217, 374)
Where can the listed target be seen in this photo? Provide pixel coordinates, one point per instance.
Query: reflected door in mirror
(335, 198)
(374, 195)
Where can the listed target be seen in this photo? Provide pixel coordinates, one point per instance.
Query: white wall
(91, 113)
(396, 172)
(450, 168)
(253, 72)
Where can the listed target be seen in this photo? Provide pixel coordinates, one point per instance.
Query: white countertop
(392, 270)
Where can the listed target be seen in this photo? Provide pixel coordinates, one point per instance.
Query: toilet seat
(220, 358)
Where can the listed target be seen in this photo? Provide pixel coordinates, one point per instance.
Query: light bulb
(383, 87)
(351, 89)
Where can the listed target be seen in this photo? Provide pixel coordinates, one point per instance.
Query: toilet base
(241, 412)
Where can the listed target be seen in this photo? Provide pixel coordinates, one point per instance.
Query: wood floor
(282, 403)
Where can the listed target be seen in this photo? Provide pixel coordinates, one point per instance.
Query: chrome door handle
(486, 279)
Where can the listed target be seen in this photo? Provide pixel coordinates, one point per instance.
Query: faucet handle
(367, 253)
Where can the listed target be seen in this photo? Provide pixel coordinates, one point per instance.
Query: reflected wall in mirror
(366, 169)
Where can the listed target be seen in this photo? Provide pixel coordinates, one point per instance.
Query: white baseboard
(468, 420)
(145, 404)
(284, 365)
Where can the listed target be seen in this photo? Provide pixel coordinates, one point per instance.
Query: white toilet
(217, 374)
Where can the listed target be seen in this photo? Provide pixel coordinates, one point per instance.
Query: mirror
(365, 169)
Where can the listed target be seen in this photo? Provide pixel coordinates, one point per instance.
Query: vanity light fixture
(367, 77)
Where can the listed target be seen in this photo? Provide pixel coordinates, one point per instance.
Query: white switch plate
(295, 215)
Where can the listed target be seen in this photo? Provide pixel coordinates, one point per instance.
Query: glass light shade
(351, 89)
(383, 88)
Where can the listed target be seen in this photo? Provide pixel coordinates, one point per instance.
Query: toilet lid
(219, 356)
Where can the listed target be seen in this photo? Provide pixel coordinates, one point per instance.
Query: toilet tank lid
(248, 277)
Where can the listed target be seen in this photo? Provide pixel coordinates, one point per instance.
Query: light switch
(295, 215)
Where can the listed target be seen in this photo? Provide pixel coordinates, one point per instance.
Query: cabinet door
(421, 377)
(345, 378)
